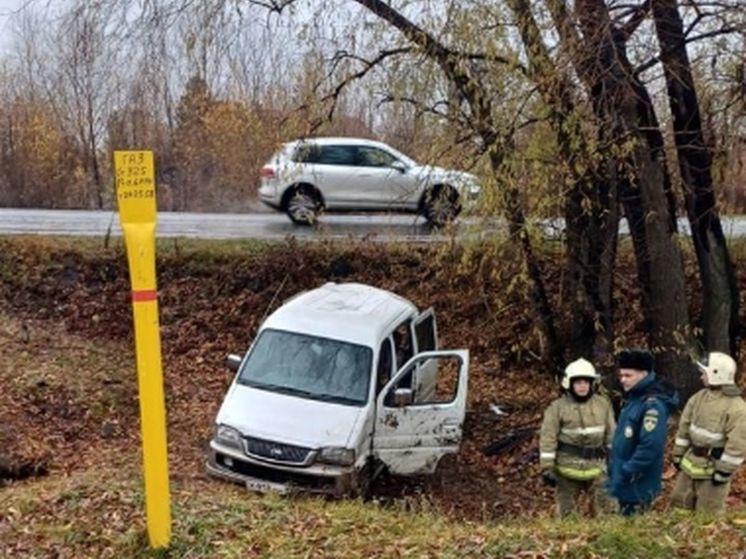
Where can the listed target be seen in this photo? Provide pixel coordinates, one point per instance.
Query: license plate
(265, 486)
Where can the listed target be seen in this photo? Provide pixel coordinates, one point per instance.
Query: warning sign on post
(135, 177)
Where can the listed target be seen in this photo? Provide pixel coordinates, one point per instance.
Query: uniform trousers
(700, 495)
(569, 492)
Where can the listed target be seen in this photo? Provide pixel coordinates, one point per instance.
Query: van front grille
(278, 452)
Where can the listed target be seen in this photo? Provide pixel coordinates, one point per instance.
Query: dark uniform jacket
(636, 464)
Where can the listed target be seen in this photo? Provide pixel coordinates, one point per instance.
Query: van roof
(352, 312)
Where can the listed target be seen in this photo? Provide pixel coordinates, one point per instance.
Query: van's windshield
(309, 367)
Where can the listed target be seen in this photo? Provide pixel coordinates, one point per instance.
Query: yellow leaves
(37, 155)
(219, 148)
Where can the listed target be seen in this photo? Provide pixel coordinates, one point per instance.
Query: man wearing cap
(638, 447)
(711, 440)
(575, 435)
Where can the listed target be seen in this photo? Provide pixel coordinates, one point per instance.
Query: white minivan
(341, 382)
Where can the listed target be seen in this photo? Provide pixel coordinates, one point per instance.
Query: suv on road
(341, 382)
(348, 174)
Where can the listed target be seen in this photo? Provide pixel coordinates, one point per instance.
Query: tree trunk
(591, 216)
(478, 100)
(95, 171)
(626, 107)
(720, 294)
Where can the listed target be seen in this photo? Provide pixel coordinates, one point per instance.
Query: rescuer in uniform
(636, 462)
(574, 439)
(711, 441)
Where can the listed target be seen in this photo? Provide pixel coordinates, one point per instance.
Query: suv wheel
(441, 205)
(303, 205)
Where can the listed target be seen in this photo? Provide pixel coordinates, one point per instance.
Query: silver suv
(306, 177)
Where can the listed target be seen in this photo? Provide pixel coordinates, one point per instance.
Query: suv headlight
(228, 436)
(337, 455)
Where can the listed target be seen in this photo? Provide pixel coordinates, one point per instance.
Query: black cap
(639, 359)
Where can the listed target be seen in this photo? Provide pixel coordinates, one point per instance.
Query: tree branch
(638, 16)
(722, 31)
(368, 65)
(420, 108)
(276, 6)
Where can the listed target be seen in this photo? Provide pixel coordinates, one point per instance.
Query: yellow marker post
(135, 180)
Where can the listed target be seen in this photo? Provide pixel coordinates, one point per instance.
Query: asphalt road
(216, 226)
(272, 226)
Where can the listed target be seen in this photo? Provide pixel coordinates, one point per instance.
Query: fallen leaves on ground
(70, 394)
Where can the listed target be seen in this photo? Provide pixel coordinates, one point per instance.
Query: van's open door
(412, 436)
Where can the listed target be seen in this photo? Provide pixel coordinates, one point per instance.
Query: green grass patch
(101, 514)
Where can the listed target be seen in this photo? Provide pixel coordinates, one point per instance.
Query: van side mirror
(403, 397)
(233, 362)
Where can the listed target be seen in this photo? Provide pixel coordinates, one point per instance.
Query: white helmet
(719, 368)
(580, 368)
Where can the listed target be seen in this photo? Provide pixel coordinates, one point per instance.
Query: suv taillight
(267, 173)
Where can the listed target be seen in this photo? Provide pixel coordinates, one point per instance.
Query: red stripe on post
(144, 295)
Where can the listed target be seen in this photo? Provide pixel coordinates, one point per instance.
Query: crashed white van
(341, 382)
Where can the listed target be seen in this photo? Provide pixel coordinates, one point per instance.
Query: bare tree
(82, 86)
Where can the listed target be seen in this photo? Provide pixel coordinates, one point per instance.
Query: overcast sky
(7, 9)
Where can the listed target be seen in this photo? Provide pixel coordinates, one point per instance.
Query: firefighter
(711, 440)
(575, 435)
(636, 462)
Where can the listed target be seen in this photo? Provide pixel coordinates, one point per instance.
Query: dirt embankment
(80, 410)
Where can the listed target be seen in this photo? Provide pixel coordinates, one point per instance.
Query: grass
(99, 514)
(40, 358)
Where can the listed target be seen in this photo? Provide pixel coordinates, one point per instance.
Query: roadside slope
(69, 404)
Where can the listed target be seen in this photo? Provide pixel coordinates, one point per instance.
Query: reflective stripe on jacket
(584, 425)
(712, 432)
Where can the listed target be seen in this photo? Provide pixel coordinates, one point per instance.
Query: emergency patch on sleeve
(649, 422)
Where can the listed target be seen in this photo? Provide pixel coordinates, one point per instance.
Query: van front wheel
(361, 485)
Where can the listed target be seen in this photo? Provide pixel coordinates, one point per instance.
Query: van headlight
(337, 455)
(228, 436)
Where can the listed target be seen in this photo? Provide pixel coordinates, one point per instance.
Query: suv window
(325, 155)
(336, 155)
(374, 157)
(307, 153)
